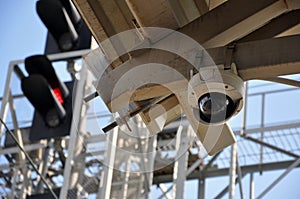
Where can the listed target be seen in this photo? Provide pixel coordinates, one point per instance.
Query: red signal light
(58, 95)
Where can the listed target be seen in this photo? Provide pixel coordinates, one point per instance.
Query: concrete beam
(268, 58)
(202, 6)
(233, 20)
(254, 60)
(274, 27)
(105, 18)
(228, 22)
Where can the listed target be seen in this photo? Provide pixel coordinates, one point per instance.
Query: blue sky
(23, 34)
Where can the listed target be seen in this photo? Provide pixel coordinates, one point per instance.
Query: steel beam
(180, 166)
(6, 94)
(251, 195)
(225, 190)
(72, 166)
(67, 55)
(262, 133)
(232, 171)
(106, 180)
(165, 191)
(146, 160)
(17, 131)
(27, 148)
(125, 185)
(151, 161)
(240, 176)
(270, 128)
(201, 188)
(271, 146)
(43, 169)
(14, 183)
(291, 167)
(213, 172)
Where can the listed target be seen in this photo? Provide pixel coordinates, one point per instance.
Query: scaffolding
(128, 163)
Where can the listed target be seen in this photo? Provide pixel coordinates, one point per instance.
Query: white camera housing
(215, 95)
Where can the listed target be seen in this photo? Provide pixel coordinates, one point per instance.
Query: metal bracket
(228, 59)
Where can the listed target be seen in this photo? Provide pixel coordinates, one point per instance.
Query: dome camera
(215, 95)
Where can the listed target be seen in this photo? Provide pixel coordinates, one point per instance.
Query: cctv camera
(215, 95)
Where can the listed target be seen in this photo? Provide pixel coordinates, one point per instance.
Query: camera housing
(215, 95)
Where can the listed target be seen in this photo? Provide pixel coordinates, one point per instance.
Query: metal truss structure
(92, 165)
(261, 38)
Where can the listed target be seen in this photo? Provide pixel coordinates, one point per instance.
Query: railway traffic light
(65, 25)
(44, 90)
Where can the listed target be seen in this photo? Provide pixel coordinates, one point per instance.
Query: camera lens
(215, 107)
(213, 104)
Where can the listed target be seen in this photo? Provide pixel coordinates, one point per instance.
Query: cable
(29, 159)
(135, 112)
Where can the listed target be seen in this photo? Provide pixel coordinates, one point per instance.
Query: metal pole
(201, 188)
(43, 169)
(126, 179)
(22, 157)
(141, 189)
(262, 132)
(75, 143)
(232, 171)
(27, 180)
(251, 186)
(5, 99)
(27, 148)
(16, 129)
(14, 183)
(68, 55)
(143, 157)
(244, 116)
(180, 165)
(291, 167)
(109, 159)
(151, 160)
(240, 176)
(183, 171)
